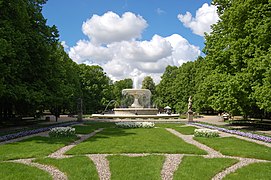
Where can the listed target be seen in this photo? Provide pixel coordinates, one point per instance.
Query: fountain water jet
(137, 107)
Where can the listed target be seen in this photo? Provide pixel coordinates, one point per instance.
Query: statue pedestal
(190, 116)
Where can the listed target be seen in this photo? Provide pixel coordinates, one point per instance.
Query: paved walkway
(216, 120)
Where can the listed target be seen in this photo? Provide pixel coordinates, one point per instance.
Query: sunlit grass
(135, 168)
(74, 167)
(32, 147)
(16, 171)
(236, 147)
(118, 140)
(251, 172)
(201, 168)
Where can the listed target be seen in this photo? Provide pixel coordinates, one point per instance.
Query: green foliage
(16, 171)
(148, 83)
(75, 167)
(139, 140)
(201, 168)
(130, 168)
(96, 89)
(235, 75)
(118, 86)
(239, 48)
(228, 146)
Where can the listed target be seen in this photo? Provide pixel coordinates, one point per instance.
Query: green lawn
(135, 168)
(201, 168)
(186, 130)
(16, 171)
(84, 129)
(180, 127)
(89, 127)
(236, 147)
(32, 147)
(74, 167)
(140, 140)
(169, 125)
(99, 124)
(251, 172)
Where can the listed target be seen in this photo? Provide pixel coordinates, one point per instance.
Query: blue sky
(157, 23)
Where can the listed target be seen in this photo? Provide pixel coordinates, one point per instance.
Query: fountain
(140, 105)
(136, 103)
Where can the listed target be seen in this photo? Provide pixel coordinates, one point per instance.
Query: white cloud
(86, 52)
(205, 17)
(110, 27)
(134, 58)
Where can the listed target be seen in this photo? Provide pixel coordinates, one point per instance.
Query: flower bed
(33, 131)
(62, 132)
(135, 124)
(206, 133)
(240, 133)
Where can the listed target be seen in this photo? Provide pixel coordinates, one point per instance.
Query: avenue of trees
(36, 74)
(235, 74)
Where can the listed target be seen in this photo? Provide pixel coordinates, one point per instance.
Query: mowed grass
(251, 172)
(180, 127)
(135, 168)
(236, 147)
(169, 125)
(186, 130)
(16, 171)
(139, 140)
(32, 147)
(89, 127)
(75, 167)
(201, 168)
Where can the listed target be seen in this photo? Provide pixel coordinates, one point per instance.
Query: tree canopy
(234, 75)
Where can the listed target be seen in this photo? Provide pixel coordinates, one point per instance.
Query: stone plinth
(135, 111)
(190, 116)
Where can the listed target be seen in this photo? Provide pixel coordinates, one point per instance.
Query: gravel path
(54, 172)
(189, 139)
(171, 164)
(102, 165)
(60, 153)
(243, 162)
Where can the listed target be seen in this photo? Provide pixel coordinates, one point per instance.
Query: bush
(62, 132)
(135, 124)
(206, 133)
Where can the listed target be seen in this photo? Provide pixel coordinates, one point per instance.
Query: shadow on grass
(33, 147)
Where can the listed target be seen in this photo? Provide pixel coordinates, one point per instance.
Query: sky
(132, 38)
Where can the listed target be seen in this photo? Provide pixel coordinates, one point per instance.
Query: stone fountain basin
(135, 111)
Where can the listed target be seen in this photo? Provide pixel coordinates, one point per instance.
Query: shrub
(206, 133)
(62, 132)
(135, 124)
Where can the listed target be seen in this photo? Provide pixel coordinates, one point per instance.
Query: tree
(164, 90)
(237, 51)
(95, 86)
(118, 87)
(26, 49)
(148, 83)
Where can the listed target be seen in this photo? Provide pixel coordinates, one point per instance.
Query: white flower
(206, 133)
(135, 124)
(62, 132)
